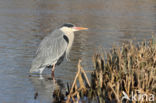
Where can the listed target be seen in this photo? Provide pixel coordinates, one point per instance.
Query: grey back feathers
(51, 48)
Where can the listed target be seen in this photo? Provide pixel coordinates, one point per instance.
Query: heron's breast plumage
(70, 37)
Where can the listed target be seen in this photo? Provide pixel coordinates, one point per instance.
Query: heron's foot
(52, 75)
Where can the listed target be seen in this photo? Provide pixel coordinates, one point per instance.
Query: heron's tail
(33, 69)
(36, 67)
(36, 70)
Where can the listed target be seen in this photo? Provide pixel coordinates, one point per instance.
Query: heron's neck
(70, 35)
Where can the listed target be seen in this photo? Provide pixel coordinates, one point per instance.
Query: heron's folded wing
(51, 48)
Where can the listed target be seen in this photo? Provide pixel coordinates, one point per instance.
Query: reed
(131, 68)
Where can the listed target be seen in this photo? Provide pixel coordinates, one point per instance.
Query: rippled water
(24, 23)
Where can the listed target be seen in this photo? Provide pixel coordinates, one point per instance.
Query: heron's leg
(41, 70)
(41, 77)
(52, 71)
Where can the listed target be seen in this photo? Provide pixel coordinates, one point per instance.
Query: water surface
(24, 23)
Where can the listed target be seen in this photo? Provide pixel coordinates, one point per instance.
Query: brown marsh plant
(129, 69)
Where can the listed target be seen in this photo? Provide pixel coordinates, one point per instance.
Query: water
(24, 23)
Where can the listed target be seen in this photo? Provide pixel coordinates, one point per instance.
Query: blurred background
(24, 23)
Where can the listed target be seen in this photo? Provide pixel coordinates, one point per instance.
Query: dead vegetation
(131, 68)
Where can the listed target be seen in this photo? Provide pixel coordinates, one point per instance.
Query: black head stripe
(68, 25)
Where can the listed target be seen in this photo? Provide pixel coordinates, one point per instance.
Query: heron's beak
(79, 28)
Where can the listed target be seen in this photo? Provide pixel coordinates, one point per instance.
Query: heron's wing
(51, 48)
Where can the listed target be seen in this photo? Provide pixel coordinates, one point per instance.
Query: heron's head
(71, 28)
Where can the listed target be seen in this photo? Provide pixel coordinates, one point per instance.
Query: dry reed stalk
(81, 83)
(84, 73)
(71, 90)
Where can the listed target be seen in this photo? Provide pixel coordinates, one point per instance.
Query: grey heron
(54, 47)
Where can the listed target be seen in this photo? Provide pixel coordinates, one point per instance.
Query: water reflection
(45, 87)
